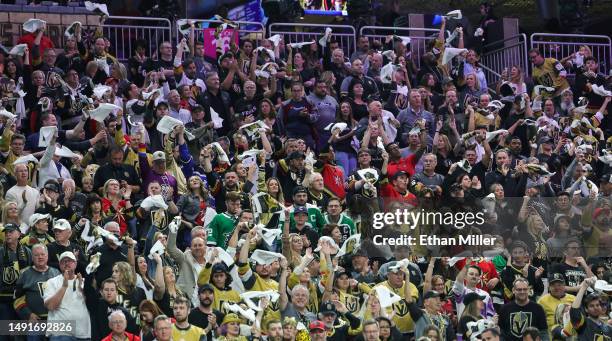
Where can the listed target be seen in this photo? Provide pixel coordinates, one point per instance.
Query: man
(520, 267)
(318, 331)
(186, 72)
(405, 289)
(176, 110)
(275, 330)
(25, 196)
(371, 331)
(18, 257)
(15, 149)
(62, 232)
(29, 303)
(370, 90)
(63, 136)
(204, 316)
(574, 268)
(410, 115)
(314, 217)
(162, 328)
(182, 329)
(363, 47)
(406, 164)
(548, 72)
(397, 190)
(72, 199)
(516, 316)
(112, 251)
(303, 227)
(157, 171)
(428, 176)
(300, 296)
(101, 303)
(190, 263)
(472, 275)
(258, 280)
(291, 172)
(117, 323)
(588, 322)
(117, 169)
(330, 314)
(222, 225)
(335, 215)
(246, 106)
(44, 42)
(231, 184)
(218, 100)
(557, 295)
(501, 173)
(63, 297)
(431, 315)
(490, 334)
(334, 61)
(326, 107)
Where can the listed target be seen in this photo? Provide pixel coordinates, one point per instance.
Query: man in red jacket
(45, 42)
(117, 323)
(397, 190)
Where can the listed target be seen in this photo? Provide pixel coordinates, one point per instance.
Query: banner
(210, 44)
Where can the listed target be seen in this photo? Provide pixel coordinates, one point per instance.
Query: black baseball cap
(328, 308)
(556, 277)
(431, 294)
(299, 189)
(471, 297)
(398, 174)
(296, 155)
(8, 227)
(205, 287)
(300, 210)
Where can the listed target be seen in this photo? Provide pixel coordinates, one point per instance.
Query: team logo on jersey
(10, 274)
(519, 321)
(400, 308)
(600, 337)
(352, 303)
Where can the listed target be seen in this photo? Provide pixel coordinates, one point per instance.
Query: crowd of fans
(177, 197)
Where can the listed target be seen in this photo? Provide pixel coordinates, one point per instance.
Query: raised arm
(282, 285)
(159, 283)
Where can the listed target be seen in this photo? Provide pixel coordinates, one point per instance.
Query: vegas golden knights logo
(10, 274)
(352, 303)
(400, 308)
(519, 321)
(600, 337)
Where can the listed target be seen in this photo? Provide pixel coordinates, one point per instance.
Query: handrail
(345, 33)
(497, 42)
(566, 44)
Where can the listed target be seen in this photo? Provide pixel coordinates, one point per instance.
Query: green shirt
(220, 229)
(315, 218)
(346, 224)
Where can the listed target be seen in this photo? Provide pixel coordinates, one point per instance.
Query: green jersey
(315, 218)
(220, 229)
(346, 224)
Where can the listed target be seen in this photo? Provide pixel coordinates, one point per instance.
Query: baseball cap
(300, 210)
(299, 189)
(36, 217)
(205, 287)
(328, 308)
(52, 186)
(159, 156)
(68, 254)
(398, 174)
(471, 297)
(11, 227)
(556, 277)
(316, 325)
(231, 317)
(431, 294)
(62, 225)
(219, 267)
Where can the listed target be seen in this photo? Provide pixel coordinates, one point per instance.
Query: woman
(12, 215)
(429, 84)
(343, 141)
(127, 291)
(532, 233)
(330, 80)
(471, 66)
(514, 79)
(575, 61)
(87, 185)
(12, 70)
(39, 231)
(358, 104)
(471, 313)
(470, 95)
(333, 231)
(296, 249)
(170, 293)
(444, 151)
(231, 328)
(298, 64)
(116, 203)
(148, 311)
(387, 330)
(143, 280)
(70, 57)
(192, 206)
(562, 328)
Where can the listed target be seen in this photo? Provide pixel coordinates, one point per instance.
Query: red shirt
(486, 267)
(45, 43)
(406, 164)
(117, 215)
(130, 337)
(390, 195)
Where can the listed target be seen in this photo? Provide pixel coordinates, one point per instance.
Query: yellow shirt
(221, 296)
(550, 304)
(402, 318)
(192, 333)
(547, 74)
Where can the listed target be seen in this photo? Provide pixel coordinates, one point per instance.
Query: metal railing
(559, 46)
(418, 37)
(122, 32)
(256, 29)
(502, 54)
(297, 33)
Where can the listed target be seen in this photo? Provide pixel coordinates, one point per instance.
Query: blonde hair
(128, 278)
(5, 211)
(476, 81)
(203, 191)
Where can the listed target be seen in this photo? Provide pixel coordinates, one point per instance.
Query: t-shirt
(191, 333)
(200, 319)
(220, 229)
(550, 303)
(402, 317)
(514, 319)
(460, 290)
(548, 74)
(589, 329)
(71, 308)
(29, 292)
(574, 275)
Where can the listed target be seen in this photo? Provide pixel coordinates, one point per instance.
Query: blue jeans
(348, 162)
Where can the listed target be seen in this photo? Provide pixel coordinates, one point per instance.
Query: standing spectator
(16, 258)
(521, 313)
(25, 196)
(548, 72)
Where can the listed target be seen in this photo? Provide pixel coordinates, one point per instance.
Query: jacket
(188, 274)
